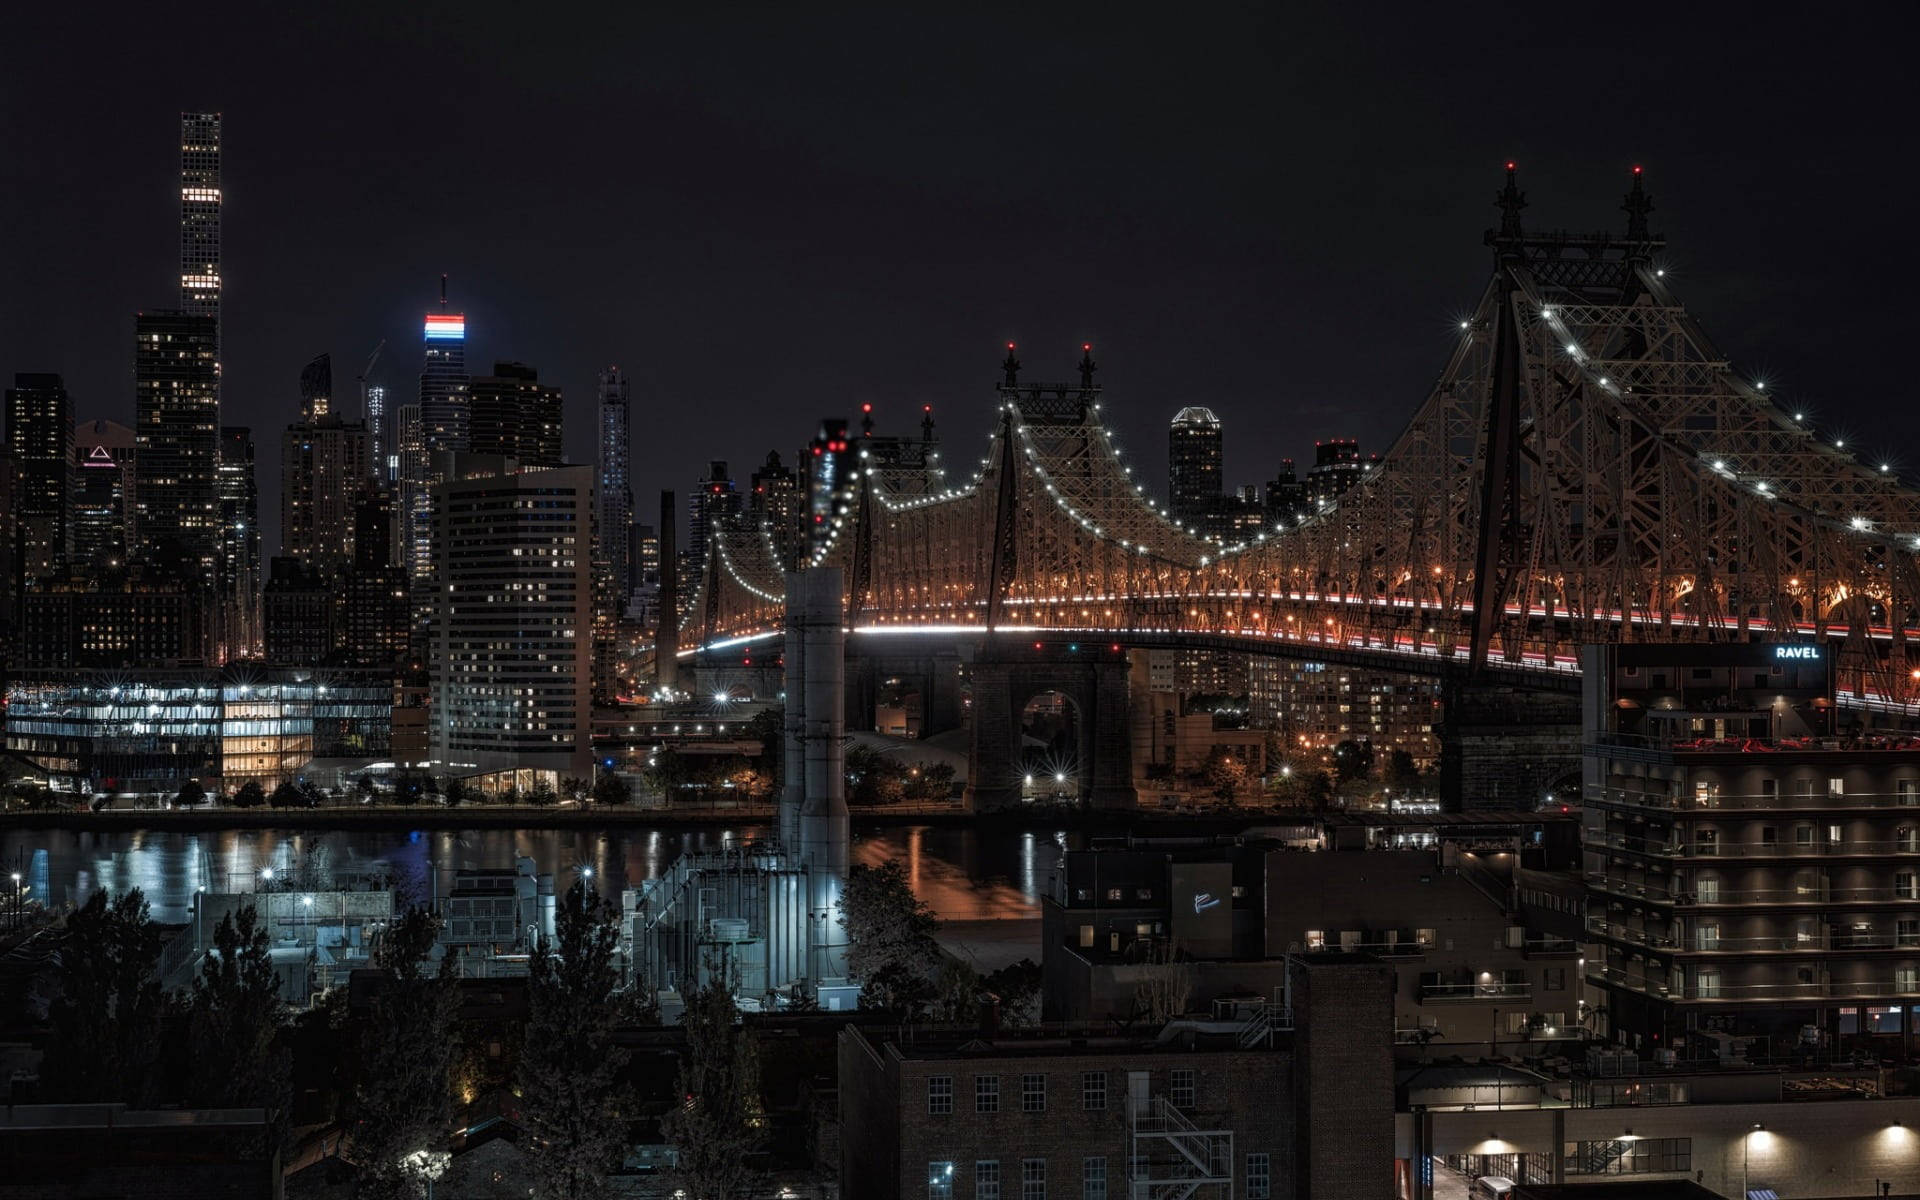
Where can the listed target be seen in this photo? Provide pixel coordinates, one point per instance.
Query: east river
(963, 875)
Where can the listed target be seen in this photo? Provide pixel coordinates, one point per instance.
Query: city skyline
(669, 278)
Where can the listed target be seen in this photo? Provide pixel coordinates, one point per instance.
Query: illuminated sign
(1202, 901)
(100, 456)
(1803, 652)
(446, 327)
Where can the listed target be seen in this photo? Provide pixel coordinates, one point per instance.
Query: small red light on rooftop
(866, 408)
(1636, 168)
(1510, 165)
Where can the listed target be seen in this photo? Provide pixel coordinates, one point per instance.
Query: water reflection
(961, 873)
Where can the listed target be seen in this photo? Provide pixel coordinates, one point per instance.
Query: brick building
(1254, 1104)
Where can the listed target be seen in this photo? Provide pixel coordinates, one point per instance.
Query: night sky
(765, 218)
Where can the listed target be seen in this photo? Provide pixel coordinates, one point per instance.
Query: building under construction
(768, 913)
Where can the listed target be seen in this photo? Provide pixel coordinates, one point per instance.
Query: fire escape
(1168, 1156)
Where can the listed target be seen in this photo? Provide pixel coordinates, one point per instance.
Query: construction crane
(368, 370)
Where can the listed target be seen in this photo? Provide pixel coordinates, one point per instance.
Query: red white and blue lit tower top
(445, 412)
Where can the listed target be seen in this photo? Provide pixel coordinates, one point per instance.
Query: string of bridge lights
(1761, 487)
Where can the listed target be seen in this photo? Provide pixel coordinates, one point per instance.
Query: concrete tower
(813, 816)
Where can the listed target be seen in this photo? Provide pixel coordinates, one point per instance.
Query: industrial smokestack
(793, 793)
(814, 607)
(666, 634)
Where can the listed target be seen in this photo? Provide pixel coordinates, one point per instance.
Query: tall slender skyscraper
(445, 409)
(410, 444)
(615, 487)
(1193, 464)
(385, 462)
(177, 444)
(200, 215)
(40, 441)
(316, 389)
(239, 498)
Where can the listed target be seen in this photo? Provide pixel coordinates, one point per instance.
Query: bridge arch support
(1097, 690)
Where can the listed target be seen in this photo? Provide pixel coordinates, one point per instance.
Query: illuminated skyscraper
(614, 492)
(385, 462)
(445, 410)
(410, 444)
(177, 444)
(200, 218)
(239, 548)
(102, 496)
(774, 502)
(40, 441)
(1193, 464)
(316, 388)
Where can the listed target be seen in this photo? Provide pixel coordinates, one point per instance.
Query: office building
(773, 504)
(415, 529)
(200, 200)
(511, 659)
(139, 618)
(614, 485)
(325, 468)
(1337, 466)
(716, 501)
(177, 444)
(1286, 501)
(374, 629)
(1194, 478)
(103, 509)
(512, 414)
(1314, 706)
(239, 566)
(302, 612)
(1258, 1100)
(39, 439)
(1753, 871)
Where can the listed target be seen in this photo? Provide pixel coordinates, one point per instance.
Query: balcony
(1665, 848)
(1777, 802)
(1877, 744)
(1756, 993)
(1550, 947)
(1466, 993)
(1820, 941)
(1696, 896)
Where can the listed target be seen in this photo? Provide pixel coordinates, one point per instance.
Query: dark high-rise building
(102, 497)
(324, 470)
(715, 501)
(316, 389)
(132, 622)
(374, 628)
(239, 566)
(40, 441)
(445, 410)
(773, 501)
(200, 218)
(512, 414)
(1337, 466)
(301, 611)
(385, 462)
(1193, 464)
(176, 432)
(1286, 499)
(613, 495)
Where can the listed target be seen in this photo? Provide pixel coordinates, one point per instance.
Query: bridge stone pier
(933, 674)
(1097, 689)
(1506, 747)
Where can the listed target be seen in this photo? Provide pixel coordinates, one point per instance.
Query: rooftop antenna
(1087, 365)
(1011, 367)
(443, 289)
(1510, 201)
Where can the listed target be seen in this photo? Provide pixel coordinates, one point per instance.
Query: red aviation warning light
(1636, 168)
(866, 408)
(1510, 165)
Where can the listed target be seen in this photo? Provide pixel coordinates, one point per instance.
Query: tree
(403, 1101)
(364, 786)
(1400, 770)
(892, 951)
(542, 795)
(611, 789)
(1018, 987)
(1225, 774)
(190, 795)
(409, 787)
(234, 1023)
(931, 782)
(456, 793)
(719, 1119)
(568, 1063)
(105, 1038)
(575, 787)
(956, 992)
(1316, 788)
(1352, 759)
(250, 795)
(873, 778)
(1165, 986)
(285, 796)
(768, 726)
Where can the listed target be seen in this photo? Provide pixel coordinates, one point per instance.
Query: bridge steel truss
(1587, 468)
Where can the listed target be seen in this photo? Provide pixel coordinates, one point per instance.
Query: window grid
(1033, 1179)
(1183, 1089)
(1093, 1091)
(939, 1181)
(1259, 1177)
(939, 1095)
(986, 1093)
(986, 1179)
(1093, 1179)
(1033, 1093)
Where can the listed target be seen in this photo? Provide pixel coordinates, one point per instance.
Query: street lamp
(1746, 1149)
